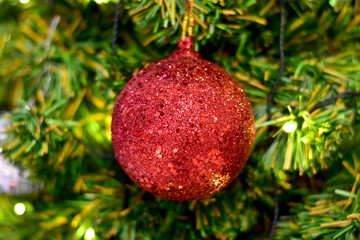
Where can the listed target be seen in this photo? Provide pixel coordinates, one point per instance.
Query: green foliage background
(60, 80)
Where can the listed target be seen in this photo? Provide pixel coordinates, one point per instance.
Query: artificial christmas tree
(60, 81)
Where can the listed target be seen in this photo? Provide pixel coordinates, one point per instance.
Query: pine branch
(115, 26)
(332, 99)
(102, 155)
(269, 104)
(282, 61)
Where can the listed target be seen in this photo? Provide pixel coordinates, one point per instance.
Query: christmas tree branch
(282, 62)
(269, 104)
(102, 155)
(276, 208)
(115, 27)
(330, 100)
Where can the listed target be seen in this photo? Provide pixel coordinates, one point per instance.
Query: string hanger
(188, 23)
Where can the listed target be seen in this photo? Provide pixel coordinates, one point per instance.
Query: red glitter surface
(182, 127)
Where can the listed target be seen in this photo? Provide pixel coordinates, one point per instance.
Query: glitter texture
(182, 127)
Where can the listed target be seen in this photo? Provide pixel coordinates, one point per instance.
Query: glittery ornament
(182, 127)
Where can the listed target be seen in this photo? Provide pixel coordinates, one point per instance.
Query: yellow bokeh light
(24, 1)
(19, 208)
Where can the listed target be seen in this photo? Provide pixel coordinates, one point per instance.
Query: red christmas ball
(182, 127)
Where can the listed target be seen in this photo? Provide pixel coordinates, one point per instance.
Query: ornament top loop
(188, 22)
(185, 48)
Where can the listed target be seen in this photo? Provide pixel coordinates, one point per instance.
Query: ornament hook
(188, 22)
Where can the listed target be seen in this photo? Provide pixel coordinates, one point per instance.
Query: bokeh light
(290, 127)
(24, 1)
(89, 234)
(101, 1)
(19, 209)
